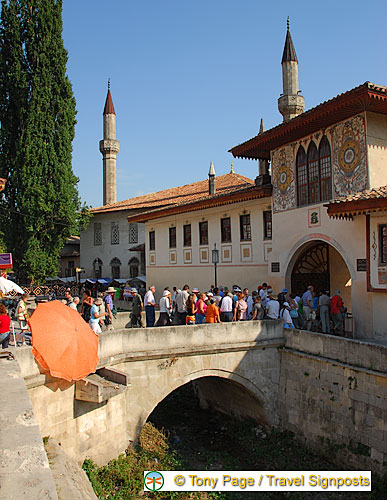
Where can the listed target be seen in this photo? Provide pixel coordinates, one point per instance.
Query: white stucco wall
(247, 271)
(377, 149)
(106, 252)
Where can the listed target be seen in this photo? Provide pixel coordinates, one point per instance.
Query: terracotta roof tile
(181, 195)
(369, 194)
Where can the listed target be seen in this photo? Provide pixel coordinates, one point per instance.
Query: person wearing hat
(272, 308)
(285, 315)
(95, 316)
(137, 306)
(165, 307)
(283, 296)
(110, 293)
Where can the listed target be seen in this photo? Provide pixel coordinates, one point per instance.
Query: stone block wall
(333, 395)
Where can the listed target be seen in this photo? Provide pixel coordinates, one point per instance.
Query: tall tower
(290, 104)
(109, 148)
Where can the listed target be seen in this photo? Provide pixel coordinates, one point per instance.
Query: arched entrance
(319, 264)
(312, 268)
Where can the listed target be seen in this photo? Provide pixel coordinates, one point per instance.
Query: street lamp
(215, 261)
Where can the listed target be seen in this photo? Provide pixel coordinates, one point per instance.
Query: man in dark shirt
(137, 306)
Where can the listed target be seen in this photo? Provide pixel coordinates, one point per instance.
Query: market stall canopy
(62, 342)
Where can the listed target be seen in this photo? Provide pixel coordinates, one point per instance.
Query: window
(172, 237)
(133, 232)
(267, 225)
(115, 234)
(97, 233)
(97, 268)
(70, 270)
(302, 177)
(133, 267)
(245, 227)
(203, 233)
(383, 243)
(187, 235)
(225, 229)
(115, 264)
(152, 240)
(314, 173)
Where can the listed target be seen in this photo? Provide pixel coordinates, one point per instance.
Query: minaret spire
(211, 180)
(290, 104)
(109, 148)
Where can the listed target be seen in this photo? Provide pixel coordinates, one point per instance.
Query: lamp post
(215, 261)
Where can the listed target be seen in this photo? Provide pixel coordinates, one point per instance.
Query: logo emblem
(153, 481)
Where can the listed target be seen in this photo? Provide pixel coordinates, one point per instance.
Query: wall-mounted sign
(6, 261)
(361, 264)
(275, 267)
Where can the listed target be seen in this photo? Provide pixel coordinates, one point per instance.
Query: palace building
(315, 215)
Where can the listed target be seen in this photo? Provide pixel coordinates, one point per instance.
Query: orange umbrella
(63, 342)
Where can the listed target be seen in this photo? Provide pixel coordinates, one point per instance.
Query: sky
(192, 79)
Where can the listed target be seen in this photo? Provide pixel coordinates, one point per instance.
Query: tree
(40, 205)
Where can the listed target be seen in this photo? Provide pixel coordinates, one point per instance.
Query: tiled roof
(225, 184)
(362, 203)
(369, 194)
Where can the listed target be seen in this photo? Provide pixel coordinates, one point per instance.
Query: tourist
(283, 296)
(250, 303)
(68, 297)
(293, 310)
(87, 302)
(217, 296)
(137, 306)
(263, 294)
(337, 311)
(240, 312)
(226, 313)
(273, 307)
(108, 300)
(164, 318)
(74, 304)
(212, 312)
(307, 304)
(201, 308)
(5, 322)
(149, 303)
(221, 292)
(95, 316)
(258, 309)
(285, 315)
(181, 301)
(22, 313)
(190, 310)
(324, 306)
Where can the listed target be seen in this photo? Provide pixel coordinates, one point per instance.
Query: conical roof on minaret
(289, 53)
(109, 108)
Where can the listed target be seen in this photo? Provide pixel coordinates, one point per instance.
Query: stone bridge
(327, 390)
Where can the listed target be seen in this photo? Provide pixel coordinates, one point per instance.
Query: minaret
(109, 148)
(290, 104)
(211, 180)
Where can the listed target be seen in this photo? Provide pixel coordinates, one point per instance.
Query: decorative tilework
(284, 190)
(349, 155)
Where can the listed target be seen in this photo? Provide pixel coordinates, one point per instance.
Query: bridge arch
(222, 390)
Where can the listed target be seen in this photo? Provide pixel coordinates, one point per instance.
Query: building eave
(349, 209)
(250, 193)
(366, 97)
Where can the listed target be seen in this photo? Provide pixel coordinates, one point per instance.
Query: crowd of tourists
(310, 311)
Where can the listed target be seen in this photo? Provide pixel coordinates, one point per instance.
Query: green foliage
(40, 206)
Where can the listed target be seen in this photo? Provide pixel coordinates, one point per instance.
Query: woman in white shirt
(285, 315)
(165, 319)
